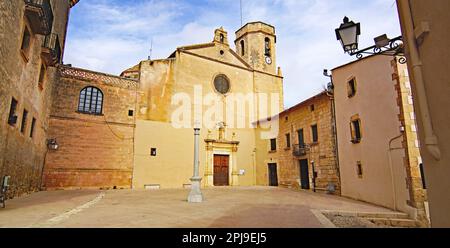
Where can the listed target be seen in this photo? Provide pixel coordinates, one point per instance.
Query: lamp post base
(196, 195)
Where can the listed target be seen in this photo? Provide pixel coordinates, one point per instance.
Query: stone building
(32, 36)
(425, 26)
(379, 156)
(95, 141)
(137, 130)
(304, 154)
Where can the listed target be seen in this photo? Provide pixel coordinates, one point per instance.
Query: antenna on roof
(151, 50)
(242, 23)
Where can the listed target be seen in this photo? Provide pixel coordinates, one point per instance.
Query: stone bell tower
(221, 36)
(255, 43)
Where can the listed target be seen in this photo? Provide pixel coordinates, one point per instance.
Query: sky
(112, 35)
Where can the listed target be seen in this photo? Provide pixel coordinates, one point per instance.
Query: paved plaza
(227, 207)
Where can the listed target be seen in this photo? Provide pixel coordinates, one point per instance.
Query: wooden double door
(221, 170)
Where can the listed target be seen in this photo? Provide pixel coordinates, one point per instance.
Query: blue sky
(112, 35)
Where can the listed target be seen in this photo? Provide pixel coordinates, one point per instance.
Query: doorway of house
(221, 170)
(273, 175)
(304, 174)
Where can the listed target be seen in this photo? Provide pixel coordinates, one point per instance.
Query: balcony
(300, 150)
(40, 16)
(51, 50)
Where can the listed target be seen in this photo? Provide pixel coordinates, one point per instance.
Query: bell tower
(255, 43)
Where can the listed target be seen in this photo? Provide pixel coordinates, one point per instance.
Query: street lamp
(195, 196)
(348, 34)
(52, 144)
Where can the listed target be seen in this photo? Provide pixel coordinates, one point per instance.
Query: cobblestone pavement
(223, 207)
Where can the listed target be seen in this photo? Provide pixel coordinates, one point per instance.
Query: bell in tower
(221, 36)
(255, 43)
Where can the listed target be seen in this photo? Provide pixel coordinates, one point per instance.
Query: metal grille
(91, 101)
(97, 77)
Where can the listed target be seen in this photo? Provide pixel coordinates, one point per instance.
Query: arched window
(242, 48)
(267, 47)
(91, 101)
(222, 38)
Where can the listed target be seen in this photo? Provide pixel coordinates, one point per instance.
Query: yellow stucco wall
(376, 104)
(192, 66)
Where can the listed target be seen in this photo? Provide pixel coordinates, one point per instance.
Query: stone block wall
(95, 151)
(323, 153)
(22, 156)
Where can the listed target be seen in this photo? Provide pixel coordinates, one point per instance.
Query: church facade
(136, 130)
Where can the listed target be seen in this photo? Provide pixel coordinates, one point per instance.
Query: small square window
(42, 73)
(33, 125)
(12, 119)
(355, 129)
(351, 87)
(23, 127)
(26, 42)
(313, 108)
(315, 134)
(273, 145)
(288, 140)
(153, 152)
(130, 112)
(359, 169)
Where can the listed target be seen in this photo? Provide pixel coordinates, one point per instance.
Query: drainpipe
(390, 149)
(431, 140)
(334, 133)
(255, 182)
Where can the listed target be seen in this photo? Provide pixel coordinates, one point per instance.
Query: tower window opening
(242, 48)
(222, 38)
(267, 51)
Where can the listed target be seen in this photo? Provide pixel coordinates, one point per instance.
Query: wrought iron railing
(44, 10)
(52, 43)
(300, 150)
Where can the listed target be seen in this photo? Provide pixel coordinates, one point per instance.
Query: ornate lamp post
(195, 196)
(348, 34)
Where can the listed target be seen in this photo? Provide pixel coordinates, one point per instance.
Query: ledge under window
(89, 113)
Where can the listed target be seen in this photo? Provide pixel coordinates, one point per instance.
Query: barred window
(91, 101)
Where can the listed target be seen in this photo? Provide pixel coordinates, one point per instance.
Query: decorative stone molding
(86, 75)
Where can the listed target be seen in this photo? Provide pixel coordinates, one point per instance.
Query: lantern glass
(348, 34)
(349, 38)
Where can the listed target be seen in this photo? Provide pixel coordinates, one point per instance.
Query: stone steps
(405, 223)
(390, 219)
(388, 215)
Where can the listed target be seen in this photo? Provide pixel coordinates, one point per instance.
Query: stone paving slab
(224, 207)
